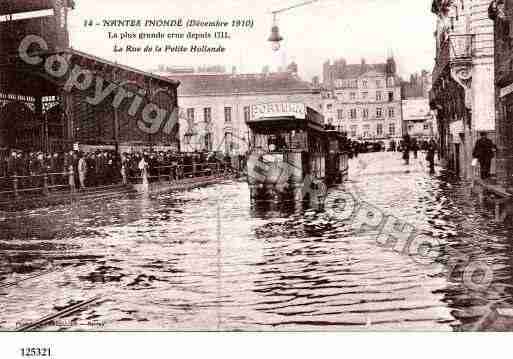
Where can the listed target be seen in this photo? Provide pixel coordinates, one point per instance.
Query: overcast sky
(328, 29)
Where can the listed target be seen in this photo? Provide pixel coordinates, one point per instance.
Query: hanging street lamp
(275, 39)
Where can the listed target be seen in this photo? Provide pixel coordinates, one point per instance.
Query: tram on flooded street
(293, 154)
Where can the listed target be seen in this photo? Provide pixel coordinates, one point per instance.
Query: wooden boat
(293, 155)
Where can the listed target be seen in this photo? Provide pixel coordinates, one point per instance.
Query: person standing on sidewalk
(483, 151)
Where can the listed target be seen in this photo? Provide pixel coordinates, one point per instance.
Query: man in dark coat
(406, 147)
(430, 155)
(483, 151)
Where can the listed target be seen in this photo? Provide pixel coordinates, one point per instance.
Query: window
(190, 114)
(354, 84)
(330, 121)
(340, 95)
(207, 114)
(379, 96)
(379, 112)
(247, 113)
(340, 114)
(365, 95)
(320, 106)
(353, 96)
(390, 96)
(329, 107)
(227, 114)
(366, 131)
(365, 113)
(354, 128)
(353, 113)
(365, 84)
(391, 129)
(208, 142)
(228, 142)
(410, 128)
(188, 139)
(379, 129)
(426, 126)
(391, 112)
(390, 82)
(190, 121)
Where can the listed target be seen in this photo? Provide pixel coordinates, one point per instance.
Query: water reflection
(205, 260)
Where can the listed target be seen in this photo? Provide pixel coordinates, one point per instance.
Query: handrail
(47, 180)
(41, 175)
(176, 172)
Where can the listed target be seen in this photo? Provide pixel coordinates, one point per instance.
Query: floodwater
(204, 260)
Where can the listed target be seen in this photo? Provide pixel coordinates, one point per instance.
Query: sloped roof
(18, 6)
(354, 71)
(228, 84)
(122, 67)
(372, 73)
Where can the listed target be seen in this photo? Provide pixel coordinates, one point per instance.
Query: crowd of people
(106, 167)
(411, 145)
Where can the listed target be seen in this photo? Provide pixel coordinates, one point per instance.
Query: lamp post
(275, 39)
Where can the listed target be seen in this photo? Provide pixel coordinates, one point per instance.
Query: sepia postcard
(322, 166)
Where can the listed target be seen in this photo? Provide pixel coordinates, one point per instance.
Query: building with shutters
(363, 99)
(463, 95)
(501, 13)
(418, 118)
(214, 107)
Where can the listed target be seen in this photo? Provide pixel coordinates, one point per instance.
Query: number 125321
(36, 352)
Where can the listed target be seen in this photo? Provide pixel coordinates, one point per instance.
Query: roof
(16, 6)
(412, 91)
(372, 73)
(354, 71)
(229, 84)
(123, 67)
(24, 79)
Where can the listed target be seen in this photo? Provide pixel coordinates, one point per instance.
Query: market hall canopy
(9, 7)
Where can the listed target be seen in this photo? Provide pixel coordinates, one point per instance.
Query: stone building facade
(363, 99)
(463, 79)
(501, 12)
(418, 118)
(214, 108)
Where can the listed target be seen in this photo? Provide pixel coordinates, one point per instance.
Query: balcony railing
(456, 48)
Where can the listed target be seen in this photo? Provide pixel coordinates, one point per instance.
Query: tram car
(293, 155)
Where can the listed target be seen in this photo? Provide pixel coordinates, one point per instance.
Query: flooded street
(204, 260)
